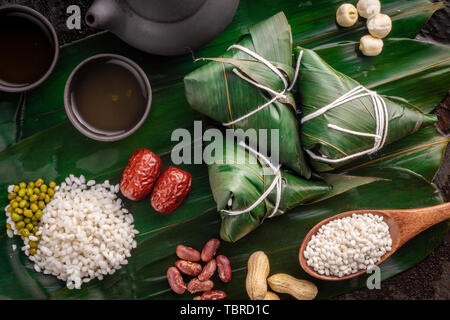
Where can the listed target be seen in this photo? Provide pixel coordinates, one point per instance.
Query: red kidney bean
(188, 267)
(187, 253)
(213, 295)
(140, 174)
(170, 190)
(196, 285)
(208, 270)
(224, 268)
(176, 280)
(209, 250)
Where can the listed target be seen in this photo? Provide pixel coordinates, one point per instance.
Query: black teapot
(163, 27)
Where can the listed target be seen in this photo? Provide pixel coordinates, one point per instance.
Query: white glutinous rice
(345, 246)
(85, 234)
(11, 223)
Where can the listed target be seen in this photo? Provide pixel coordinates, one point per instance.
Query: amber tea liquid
(26, 49)
(108, 96)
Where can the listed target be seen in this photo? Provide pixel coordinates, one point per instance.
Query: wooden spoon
(403, 225)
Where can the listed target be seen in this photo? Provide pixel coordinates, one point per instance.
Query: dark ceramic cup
(43, 22)
(71, 110)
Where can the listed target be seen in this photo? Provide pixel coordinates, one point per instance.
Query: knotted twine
(277, 182)
(276, 95)
(381, 120)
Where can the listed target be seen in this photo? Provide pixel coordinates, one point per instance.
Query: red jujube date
(140, 174)
(170, 190)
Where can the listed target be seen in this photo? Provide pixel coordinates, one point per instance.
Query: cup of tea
(107, 97)
(29, 48)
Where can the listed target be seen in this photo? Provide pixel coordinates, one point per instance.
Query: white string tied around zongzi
(276, 95)
(381, 120)
(277, 182)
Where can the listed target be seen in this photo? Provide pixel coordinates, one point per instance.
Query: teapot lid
(165, 10)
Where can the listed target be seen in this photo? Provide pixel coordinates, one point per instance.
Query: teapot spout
(103, 14)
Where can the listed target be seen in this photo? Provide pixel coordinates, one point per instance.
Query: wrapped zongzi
(248, 188)
(342, 120)
(249, 87)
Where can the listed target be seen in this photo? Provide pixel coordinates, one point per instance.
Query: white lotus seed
(346, 15)
(368, 8)
(370, 46)
(380, 25)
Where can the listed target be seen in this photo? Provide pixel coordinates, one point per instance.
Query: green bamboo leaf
(145, 278)
(319, 86)
(407, 22)
(312, 23)
(342, 183)
(52, 148)
(421, 153)
(9, 106)
(216, 91)
(416, 71)
(258, 72)
(239, 176)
